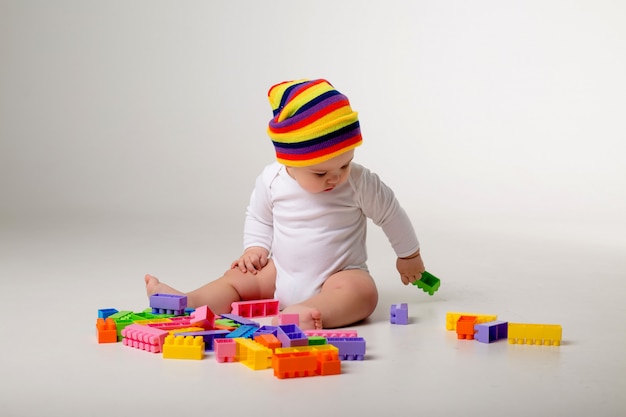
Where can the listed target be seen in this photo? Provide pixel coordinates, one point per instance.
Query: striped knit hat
(312, 122)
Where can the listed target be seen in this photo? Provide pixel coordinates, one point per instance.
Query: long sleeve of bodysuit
(379, 203)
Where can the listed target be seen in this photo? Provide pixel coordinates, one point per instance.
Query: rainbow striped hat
(312, 122)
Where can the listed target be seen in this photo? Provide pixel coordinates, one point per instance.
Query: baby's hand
(410, 268)
(252, 260)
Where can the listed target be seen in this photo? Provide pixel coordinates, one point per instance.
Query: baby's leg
(345, 298)
(233, 286)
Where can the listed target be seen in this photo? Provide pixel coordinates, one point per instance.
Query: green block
(317, 340)
(123, 319)
(428, 283)
(226, 322)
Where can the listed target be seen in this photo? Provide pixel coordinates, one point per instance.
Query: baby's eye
(319, 174)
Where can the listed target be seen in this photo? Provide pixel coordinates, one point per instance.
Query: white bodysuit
(313, 235)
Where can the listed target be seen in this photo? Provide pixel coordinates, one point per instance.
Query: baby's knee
(364, 288)
(370, 298)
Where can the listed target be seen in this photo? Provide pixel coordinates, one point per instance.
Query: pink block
(331, 333)
(203, 317)
(143, 337)
(225, 349)
(289, 319)
(174, 323)
(256, 308)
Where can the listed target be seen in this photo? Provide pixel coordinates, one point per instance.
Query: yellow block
(453, 317)
(183, 347)
(309, 348)
(150, 321)
(253, 354)
(535, 334)
(186, 330)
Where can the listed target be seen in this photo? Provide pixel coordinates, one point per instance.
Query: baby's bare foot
(310, 318)
(154, 286)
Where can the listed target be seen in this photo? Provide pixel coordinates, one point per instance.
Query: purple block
(491, 331)
(399, 314)
(240, 320)
(168, 302)
(276, 331)
(289, 335)
(295, 335)
(350, 348)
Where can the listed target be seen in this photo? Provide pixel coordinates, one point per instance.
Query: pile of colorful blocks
(169, 328)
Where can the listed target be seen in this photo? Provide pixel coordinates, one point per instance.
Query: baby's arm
(252, 260)
(258, 226)
(380, 204)
(410, 268)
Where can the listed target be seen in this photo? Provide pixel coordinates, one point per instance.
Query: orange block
(106, 330)
(268, 340)
(328, 363)
(465, 327)
(294, 364)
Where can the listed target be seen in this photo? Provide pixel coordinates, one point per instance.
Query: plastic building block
(331, 333)
(123, 319)
(465, 327)
(535, 334)
(168, 304)
(294, 364)
(317, 340)
(304, 361)
(350, 348)
(252, 354)
(173, 323)
(246, 331)
(106, 331)
(268, 340)
(185, 330)
(256, 308)
(491, 331)
(428, 283)
(240, 320)
(103, 313)
(225, 324)
(208, 336)
(453, 317)
(267, 329)
(328, 364)
(399, 314)
(183, 347)
(144, 338)
(288, 334)
(295, 335)
(202, 317)
(289, 319)
(225, 350)
(152, 322)
(147, 314)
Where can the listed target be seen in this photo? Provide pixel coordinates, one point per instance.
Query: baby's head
(314, 131)
(312, 122)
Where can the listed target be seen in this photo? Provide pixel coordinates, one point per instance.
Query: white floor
(55, 275)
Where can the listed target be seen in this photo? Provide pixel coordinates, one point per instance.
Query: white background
(131, 133)
(472, 111)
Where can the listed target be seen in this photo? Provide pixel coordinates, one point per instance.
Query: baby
(305, 225)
